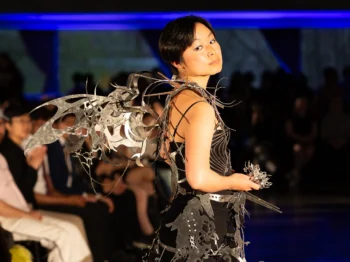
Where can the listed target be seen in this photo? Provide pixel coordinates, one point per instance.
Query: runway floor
(312, 228)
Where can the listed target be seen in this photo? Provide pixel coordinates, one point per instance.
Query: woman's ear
(177, 65)
(7, 126)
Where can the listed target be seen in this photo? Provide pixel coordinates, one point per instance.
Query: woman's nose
(211, 51)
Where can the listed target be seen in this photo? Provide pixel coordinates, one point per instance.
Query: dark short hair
(177, 36)
(42, 113)
(15, 109)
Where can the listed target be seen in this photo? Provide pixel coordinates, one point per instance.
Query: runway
(312, 228)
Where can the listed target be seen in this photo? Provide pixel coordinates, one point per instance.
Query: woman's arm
(7, 210)
(72, 200)
(198, 134)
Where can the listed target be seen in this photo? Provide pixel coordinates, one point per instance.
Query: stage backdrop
(105, 53)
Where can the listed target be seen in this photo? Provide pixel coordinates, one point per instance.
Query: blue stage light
(157, 20)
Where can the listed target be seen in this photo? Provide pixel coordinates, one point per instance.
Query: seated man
(63, 239)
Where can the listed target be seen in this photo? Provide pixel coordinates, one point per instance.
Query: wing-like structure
(109, 121)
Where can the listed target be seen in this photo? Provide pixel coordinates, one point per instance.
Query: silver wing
(109, 121)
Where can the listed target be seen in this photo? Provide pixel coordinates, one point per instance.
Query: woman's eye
(198, 48)
(213, 41)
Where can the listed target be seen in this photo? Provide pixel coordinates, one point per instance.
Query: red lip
(214, 62)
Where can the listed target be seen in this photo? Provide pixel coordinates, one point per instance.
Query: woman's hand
(109, 202)
(242, 182)
(76, 200)
(34, 215)
(36, 156)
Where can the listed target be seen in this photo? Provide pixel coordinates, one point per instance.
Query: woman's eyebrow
(207, 36)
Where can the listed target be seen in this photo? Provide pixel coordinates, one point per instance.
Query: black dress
(197, 226)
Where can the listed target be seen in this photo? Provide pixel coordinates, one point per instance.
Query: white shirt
(40, 185)
(68, 163)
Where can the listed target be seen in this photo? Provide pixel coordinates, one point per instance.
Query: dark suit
(98, 222)
(59, 171)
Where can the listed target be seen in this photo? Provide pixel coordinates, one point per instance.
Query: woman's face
(20, 127)
(203, 57)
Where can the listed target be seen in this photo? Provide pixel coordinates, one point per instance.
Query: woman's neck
(202, 81)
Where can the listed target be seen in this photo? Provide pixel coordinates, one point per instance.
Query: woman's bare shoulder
(187, 98)
(191, 108)
(194, 107)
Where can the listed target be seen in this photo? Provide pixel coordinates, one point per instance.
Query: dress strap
(183, 116)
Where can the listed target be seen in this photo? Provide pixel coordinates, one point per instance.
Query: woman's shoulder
(187, 100)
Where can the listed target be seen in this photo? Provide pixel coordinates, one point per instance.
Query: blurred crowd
(298, 134)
